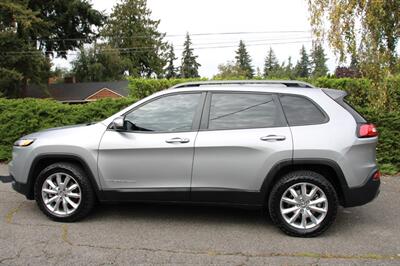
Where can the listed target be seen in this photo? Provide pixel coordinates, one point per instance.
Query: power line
(258, 44)
(176, 35)
(252, 41)
(200, 46)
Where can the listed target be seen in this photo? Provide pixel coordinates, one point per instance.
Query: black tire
(88, 198)
(291, 179)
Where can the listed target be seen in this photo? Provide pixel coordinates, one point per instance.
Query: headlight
(23, 142)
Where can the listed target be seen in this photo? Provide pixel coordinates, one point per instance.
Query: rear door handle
(273, 138)
(177, 140)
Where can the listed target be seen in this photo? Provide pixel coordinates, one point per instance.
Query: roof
(272, 86)
(284, 83)
(76, 92)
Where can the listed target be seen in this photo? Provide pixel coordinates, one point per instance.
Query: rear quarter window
(301, 111)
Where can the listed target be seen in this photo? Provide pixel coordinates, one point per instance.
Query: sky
(282, 25)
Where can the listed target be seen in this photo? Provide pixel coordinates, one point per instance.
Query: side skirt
(197, 196)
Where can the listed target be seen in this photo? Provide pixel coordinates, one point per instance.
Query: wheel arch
(42, 161)
(328, 168)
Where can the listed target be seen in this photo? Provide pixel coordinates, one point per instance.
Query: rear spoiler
(338, 96)
(335, 94)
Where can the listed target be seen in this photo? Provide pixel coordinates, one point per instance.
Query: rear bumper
(362, 195)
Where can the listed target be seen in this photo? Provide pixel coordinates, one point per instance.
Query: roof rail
(287, 83)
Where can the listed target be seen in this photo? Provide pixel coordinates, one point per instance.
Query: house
(80, 92)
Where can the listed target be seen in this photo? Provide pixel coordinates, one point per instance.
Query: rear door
(242, 136)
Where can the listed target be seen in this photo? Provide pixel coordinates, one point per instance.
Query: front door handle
(273, 138)
(177, 140)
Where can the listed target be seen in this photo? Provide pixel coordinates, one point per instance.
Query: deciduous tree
(101, 63)
(230, 70)
(370, 28)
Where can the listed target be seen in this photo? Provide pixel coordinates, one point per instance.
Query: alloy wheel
(61, 194)
(304, 205)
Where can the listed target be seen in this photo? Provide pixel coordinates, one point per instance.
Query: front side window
(168, 114)
(243, 110)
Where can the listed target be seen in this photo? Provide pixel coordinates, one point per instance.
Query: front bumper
(6, 178)
(19, 187)
(362, 195)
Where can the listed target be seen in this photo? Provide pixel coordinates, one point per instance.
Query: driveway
(159, 234)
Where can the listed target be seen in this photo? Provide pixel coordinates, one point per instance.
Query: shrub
(140, 88)
(383, 95)
(388, 151)
(23, 116)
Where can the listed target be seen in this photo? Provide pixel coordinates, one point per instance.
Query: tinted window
(170, 113)
(301, 111)
(239, 110)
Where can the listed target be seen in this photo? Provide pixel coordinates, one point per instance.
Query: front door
(152, 157)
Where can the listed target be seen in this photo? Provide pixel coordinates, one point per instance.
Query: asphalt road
(155, 234)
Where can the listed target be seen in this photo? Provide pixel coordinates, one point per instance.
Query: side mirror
(118, 123)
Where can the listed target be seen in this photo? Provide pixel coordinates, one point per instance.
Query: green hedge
(140, 88)
(366, 93)
(388, 152)
(362, 92)
(22, 116)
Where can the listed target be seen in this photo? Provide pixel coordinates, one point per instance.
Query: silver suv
(291, 149)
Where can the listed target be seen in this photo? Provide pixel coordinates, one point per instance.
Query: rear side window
(301, 111)
(243, 110)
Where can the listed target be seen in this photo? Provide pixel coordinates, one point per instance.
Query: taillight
(367, 131)
(377, 176)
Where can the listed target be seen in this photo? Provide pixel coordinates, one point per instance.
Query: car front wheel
(64, 193)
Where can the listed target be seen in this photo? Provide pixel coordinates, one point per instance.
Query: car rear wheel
(64, 193)
(303, 203)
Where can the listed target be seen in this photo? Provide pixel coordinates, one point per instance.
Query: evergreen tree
(33, 30)
(189, 66)
(289, 69)
(170, 71)
(69, 24)
(131, 29)
(258, 73)
(302, 68)
(243, 60)
(318, 58)
(271, 64)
